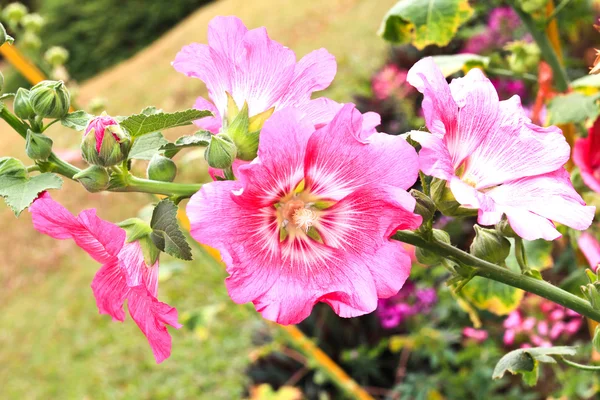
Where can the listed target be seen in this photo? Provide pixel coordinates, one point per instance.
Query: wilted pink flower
(494, 159)
(390, 81)
(252, 68)
(478, 335)
(99, 124)
(590, 248)
(540, 322)
(586, 155)
(123, 275)
(309, 220)
(407, 302)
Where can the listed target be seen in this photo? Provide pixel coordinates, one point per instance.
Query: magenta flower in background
(310, 219)
(493, 158)
(502, 24)
(407, 302)
(478, 335)
(252, 68)
(509, 87)
(540, 323)
(123, 275)
(590, 248)
(586, 155)
(390, 81)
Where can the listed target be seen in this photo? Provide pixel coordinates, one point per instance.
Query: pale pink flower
(123, 275)
(478, 335)
(590, 248)
(252, 68)
(586, 155)
(310, 219)
(493, 158)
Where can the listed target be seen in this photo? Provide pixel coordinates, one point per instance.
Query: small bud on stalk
(104, 142)
(592, 294)
(33, 22)
(428, 257)
(38, 146)
(56, 56)
(489, 245)
(50, 99)
(504, 228)
(22, 104)
(14, 13)
(424, 205)
(161, 169)
(221, 152)
(93, 179)
(446, 202)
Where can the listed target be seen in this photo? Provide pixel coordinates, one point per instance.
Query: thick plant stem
(494, 272)
(181, 190)
(561, 80)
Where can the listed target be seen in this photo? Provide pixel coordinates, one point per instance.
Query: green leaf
(200, 138)
(425, 22)
(77, 120)
(586, 81)
(146, 146)
(525, 361)
(451, 64)
(166, 234)
(573, 108)
(148, 121)
(19, 190)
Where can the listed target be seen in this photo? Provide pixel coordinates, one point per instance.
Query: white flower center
(304, 218)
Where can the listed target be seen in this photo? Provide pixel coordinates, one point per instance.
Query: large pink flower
(252, 68)
(123, 275)
(586, 155)
(493, 157)
(310, 219)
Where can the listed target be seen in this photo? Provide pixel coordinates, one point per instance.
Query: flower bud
(22, 104)
(591, 293)
(50, 99)
(221, 151)
(446, 202)
(489, 245)
(38, 146)
(104, 142)
(246, 141)
(424, 205)
(31, 41)
(5, 37)
(33, 22)
(14, 13)
(505, 229)
(56, 56)
(429, 257)
(94, 178)
(161, 169)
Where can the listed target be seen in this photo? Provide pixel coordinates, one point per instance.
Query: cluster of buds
(28, 25)
(540, 323)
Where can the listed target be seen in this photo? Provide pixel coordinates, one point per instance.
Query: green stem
(32, 168)
(494, 272)
(520, 255)
(180, 190)
(581, 366)
(510, 74)
(557, 10)
(561, 80)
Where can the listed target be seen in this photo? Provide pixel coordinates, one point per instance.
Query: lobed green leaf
(152, 120)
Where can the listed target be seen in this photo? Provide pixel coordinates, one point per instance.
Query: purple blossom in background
(502, 23)
(508, 87)
(408, 302)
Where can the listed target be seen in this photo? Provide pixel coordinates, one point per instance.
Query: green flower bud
(94, 178)
(5, 37)
(221, 151)
(246, 141)
(22, 104)
(428, 257)
(424, 205)
(489, 245)
(446, 202)
(38, 146)
(14, 13)
(50, 99)
(524, 56)
(161, 168)
(504, 228)
(33, 22)
(31, 41)
(56, 56)
(591, 293)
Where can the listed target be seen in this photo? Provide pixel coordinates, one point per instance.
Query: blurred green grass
(53, 343)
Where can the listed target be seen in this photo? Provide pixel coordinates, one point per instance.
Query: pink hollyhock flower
(123, 275)
(252, 68)
(310, 218)
(99, 124)
(478, 335)
(586, 155)
(390, 81)
(590, 248)
(493, 158)
(407, 302)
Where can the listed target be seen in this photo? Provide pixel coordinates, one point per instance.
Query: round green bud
(446, 202)
(428, 257)
(14, 12)
(161, 169)
(33, 22)
(31, 41)
(505, 229)
(50, 99)
(94, 178)
(424, 205)
(221, 151)
(22, 104)
(490, 245)
(38, 146)
(56, 56)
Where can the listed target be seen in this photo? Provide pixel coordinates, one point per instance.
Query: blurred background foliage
(425, 343)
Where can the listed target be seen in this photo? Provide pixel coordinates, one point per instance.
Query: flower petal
(434, 159)
(322, 110)
(225, 35)
(211, 124)
(590, 248)
(110, 290)
(340, 160)
(586, 156)
(135, 269)
(531, 226)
